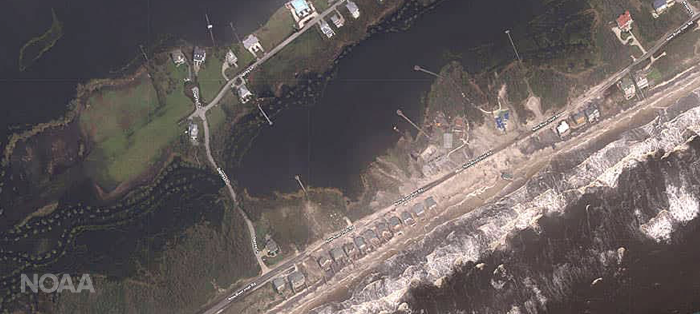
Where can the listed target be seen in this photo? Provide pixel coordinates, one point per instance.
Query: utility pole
(400, 113)
(301, 185)
(210, 27)
(233, 29)
(266, 117)
(513, 44)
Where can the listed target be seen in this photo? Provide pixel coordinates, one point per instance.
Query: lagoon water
(331, 142)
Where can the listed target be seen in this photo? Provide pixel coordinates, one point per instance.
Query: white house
(338, 19)
(177, 56)
(199, 56)
(302, 11)
(354, 10)
(325, 28)
(562, 128)
(244, 94)
(231, 58)
(252, 44)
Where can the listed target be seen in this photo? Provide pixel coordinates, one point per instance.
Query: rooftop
(250, 41)
(296, 278)
(337, 254)
(659, 4)
(623, 19)
(300, 6)
(352, 7)
(430, 202)
(418, 209)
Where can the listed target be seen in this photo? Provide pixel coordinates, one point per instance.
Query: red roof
(624, 19)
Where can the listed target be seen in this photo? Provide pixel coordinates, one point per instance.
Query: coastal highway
(593, 93)
(254, 285)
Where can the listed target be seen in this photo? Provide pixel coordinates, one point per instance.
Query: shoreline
(631, 119)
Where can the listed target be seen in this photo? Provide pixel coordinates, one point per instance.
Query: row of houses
(296, 281)
(338, 19)
(588, 114)
(372, 238)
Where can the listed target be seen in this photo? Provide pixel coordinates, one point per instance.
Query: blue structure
(659, 5)
(502, 120)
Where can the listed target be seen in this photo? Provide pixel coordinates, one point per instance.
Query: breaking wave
(568, 229)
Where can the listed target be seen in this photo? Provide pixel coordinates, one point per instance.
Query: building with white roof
(252, 44)
(354, 10)
(325, 28)
(338, 19)
(563, 128)
(303, 11)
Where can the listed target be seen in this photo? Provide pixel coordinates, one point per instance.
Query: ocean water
(616, 231)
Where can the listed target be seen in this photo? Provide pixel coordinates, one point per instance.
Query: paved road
(201, 112)
(593, 93)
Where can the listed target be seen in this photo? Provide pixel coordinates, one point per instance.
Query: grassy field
(278, 27)
(294, 222)
(292, 59)
(130, 126)
(209, 77)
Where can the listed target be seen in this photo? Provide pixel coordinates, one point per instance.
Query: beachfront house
(351, 250)
(627, 86)
(325, 28)
(297, 281)
(279, 285)
(624, 22)
(660, 6)
(177, 56)
(303, 11)
(324, 262)
(641, 79)
(395, 223)
(563, 128)
(407, 218)
(360, 243)
(199, 56)
(193, 130)
(252, 44)
(244, 94)
(430, 203)
(272, 248)
(578, 118)
(338, 19)
(231, 58)
(338, 255)
(354, 10)
(418, 209)
(592, 113)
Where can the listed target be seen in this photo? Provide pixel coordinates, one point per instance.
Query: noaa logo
(50, 283)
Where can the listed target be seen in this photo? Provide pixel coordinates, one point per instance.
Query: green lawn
(293, 58)
(130, 128)
(209, 77)
(278, 27)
